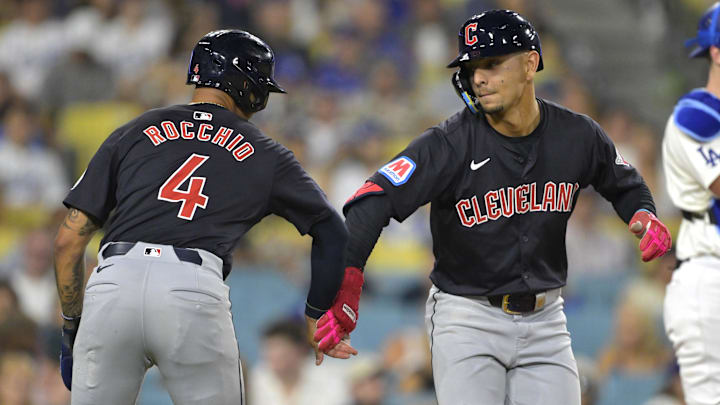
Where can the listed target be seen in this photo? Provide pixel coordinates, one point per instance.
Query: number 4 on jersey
(192, 197)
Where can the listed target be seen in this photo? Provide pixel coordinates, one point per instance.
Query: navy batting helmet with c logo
(492, 33)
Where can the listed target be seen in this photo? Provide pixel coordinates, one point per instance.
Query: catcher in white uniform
(691, 155)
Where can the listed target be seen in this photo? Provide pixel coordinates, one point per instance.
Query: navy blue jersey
(500, 205)
(195, 176)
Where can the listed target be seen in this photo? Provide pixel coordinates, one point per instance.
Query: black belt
(700, 215)
(515, 303)
(121, 248)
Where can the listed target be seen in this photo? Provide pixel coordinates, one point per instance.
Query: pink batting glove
(329, 332)
(656, 240)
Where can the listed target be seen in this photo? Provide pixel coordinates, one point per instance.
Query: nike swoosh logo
(475, 166)
(99, 269)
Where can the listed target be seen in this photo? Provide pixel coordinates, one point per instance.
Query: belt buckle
(505, 302)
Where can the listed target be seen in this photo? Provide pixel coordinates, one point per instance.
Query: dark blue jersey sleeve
(616, 179)
(295, 196)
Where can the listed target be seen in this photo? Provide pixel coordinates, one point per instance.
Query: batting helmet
(237, 63)
(492, 33)
(708, 32)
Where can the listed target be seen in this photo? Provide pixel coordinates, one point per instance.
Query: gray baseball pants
(147, 308)
(484, 356)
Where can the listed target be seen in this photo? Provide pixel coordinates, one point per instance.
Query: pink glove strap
(656, 241)
(329, 332)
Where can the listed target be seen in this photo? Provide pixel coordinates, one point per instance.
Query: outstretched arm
(621, 184)
(365, 219)
(329, 240)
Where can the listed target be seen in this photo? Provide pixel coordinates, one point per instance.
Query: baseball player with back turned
(176, 189)
(502, 177)
(690, 159)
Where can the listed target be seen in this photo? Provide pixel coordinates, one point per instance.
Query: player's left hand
(69, 331)
(341, 350)
(654, 236)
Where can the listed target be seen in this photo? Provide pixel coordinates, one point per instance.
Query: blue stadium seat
(629, 389)
(260, 296)
(596, 290)
(153, 391)
(590, 328)
(379, 318)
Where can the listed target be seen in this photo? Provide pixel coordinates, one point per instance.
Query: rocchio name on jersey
(169, 131)
(506, 202)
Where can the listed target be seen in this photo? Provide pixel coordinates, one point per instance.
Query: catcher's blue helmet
(708, 33)
(237, 63)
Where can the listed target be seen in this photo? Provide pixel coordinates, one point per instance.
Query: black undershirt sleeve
(365, 219)
(329, 239)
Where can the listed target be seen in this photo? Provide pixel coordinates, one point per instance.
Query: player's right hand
(654, 236)
(69, 331)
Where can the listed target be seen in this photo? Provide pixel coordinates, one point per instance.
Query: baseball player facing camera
(176, 188)
(690, 160)
(502, 177)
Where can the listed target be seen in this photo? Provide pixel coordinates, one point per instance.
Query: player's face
(499, 81)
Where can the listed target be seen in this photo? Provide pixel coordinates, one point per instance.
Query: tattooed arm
(70, 243)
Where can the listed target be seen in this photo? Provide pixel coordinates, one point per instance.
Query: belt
(121, 248)
(521, 303)
(700, 215)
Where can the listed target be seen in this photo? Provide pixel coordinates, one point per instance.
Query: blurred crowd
(363, 78)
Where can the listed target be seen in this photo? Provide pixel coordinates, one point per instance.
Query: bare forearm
(72, 238)
(70, 276)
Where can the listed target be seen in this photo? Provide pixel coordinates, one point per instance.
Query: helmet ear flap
(461, 83)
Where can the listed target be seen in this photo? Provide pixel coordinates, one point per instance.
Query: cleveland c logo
(470, 40)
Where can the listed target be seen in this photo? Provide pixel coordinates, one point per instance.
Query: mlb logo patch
(153, 252)
(202, 116)
(399, 170)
